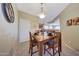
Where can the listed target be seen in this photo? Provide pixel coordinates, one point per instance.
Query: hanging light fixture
(42, 14)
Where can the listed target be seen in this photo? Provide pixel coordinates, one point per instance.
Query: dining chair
(33, 43)
(54, 44)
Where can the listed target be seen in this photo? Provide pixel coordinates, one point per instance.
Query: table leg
(40, 47)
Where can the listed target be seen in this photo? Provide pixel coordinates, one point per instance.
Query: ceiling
(51, 9)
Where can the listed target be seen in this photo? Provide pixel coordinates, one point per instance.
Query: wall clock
(8, 12)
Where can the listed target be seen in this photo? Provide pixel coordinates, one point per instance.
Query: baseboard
(24, 42)
(4, 54)
(77, 52)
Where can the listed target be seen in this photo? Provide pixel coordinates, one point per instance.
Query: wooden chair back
(59, 40)
(56, 43)
(32, 39)
(32, 44)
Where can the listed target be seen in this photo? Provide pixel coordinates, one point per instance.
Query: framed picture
(73, 21)
(8, 12)
(77, 20)
(69, 22)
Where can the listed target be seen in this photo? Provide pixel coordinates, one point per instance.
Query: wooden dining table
(42, 39)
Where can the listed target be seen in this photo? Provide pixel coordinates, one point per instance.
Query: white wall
(8, 32)
(70, 34)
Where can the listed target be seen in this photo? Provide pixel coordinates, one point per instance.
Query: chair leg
(53, 52)
(31, 52)
(44, 48)
(29, 49)
(59, 52)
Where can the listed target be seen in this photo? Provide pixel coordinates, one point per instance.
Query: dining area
(29, 34)
(45, 41)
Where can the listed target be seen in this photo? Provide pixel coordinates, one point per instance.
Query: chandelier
(42, 14)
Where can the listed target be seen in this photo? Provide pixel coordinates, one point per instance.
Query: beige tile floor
(24, 47)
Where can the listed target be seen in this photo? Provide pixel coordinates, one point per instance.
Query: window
(46, 27)
(57, 27)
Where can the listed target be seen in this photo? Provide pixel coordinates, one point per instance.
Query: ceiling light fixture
(42, 14)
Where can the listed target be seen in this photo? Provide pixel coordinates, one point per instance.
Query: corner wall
(70, 34)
